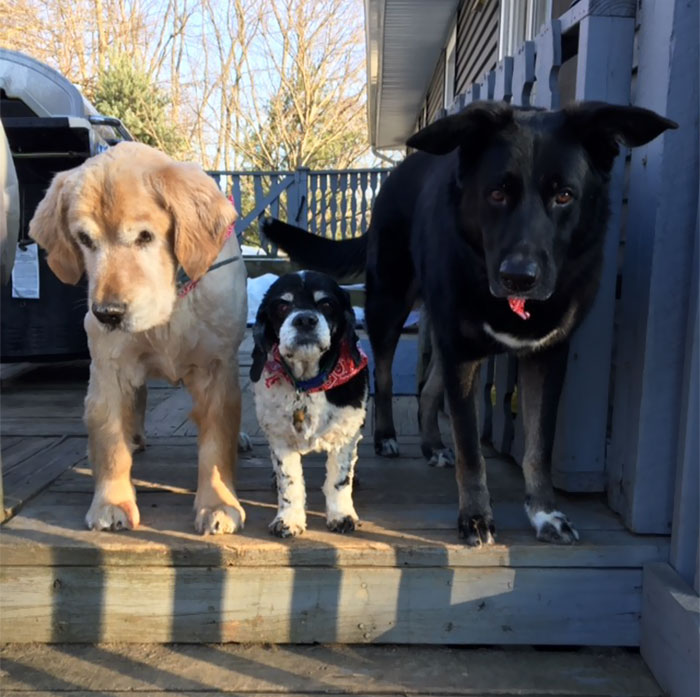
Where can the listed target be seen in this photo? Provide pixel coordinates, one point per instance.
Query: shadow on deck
(403, 577)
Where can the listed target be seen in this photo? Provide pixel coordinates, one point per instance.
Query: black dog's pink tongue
(518, 306)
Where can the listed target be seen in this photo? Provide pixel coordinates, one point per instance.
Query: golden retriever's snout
(111, 314)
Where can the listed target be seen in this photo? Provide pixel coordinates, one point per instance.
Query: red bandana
(345, 369)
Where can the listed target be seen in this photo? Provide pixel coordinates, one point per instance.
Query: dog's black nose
(110, 314)
(305, 320)
(517, 274)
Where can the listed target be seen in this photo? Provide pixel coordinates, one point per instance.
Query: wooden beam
(657, 274)
(670, 635)
(358, 605)
(597, 8)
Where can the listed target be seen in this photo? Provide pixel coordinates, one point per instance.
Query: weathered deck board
(15, 450)
(310, 670)
(301, 605)
(24, 481)
(403, 576)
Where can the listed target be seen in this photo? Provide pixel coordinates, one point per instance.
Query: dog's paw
(553, 526)
(245, 445)
(476, 529)
(138, 443)
(219, 520)
(442, 457)
(387, 447)
(288, 525)
(111, 516)
(343, 525)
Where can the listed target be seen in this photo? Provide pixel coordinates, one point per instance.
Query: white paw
(289, 523)
(244, 443)
(387, 447)
(444, 457)
(111, 516)
(552, 527)
(219, 520)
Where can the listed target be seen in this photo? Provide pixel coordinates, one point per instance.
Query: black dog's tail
(338, 259)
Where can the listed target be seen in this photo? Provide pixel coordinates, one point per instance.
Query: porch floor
(403, 577)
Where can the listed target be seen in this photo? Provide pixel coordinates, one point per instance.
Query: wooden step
(403, 577)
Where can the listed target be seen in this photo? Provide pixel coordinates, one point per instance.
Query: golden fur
(128, 218)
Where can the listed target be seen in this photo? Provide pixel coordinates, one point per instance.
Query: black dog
(311, 382)
(498, 225)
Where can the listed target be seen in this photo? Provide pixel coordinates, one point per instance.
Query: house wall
(477, 41)
(436, 91)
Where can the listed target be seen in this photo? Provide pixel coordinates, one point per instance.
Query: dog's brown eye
(85, 240)
(563, 197)
(325, 306)
(283, 308)
(144, 237)
(497, 196)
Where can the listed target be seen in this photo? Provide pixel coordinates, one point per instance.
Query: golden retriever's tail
(339, 259)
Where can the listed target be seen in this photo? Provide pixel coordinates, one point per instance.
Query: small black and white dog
(311, 383)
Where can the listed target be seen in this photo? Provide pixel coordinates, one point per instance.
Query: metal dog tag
(298, 418)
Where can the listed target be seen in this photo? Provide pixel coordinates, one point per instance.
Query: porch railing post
(657, 275)
(604, 73)
(301, 208)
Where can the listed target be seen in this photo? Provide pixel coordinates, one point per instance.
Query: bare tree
(307, 105)
(266, 84)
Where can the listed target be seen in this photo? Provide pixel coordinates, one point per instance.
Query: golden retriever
(130, 218)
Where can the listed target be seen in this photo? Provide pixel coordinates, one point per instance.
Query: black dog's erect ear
(263, 342)
(468, 128)
(601, 127)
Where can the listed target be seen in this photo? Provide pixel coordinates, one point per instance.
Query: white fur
(303, 358)
(557, 519)
(329, 428)
(516, 344)
(389, 447)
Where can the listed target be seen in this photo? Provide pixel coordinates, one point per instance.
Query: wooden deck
(403, 577)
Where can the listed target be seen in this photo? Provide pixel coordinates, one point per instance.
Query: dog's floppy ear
(469, 128)
(601, 127)
(263, 341)
(201, 214)
(49, 228)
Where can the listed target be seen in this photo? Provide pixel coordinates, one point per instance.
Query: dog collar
(343, 370)
(184, 284)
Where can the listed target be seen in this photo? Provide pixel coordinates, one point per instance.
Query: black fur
(501, 202)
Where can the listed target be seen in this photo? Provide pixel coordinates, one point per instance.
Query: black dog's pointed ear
(471, 127)
(602, 127)
(262, 342)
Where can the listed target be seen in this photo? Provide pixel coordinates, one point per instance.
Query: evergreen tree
(129, 93)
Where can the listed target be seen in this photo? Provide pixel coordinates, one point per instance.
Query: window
(521, 20)
(450, 68)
